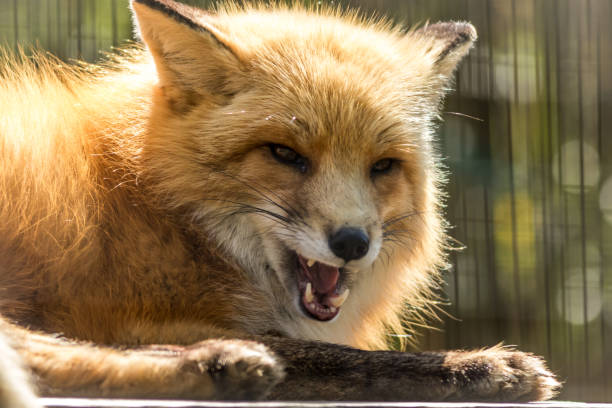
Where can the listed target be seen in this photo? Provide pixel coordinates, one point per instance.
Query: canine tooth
(310, 263)
(332, 309)
(308, 293)
(337, 301)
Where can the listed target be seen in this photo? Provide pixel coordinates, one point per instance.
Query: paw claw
(238, 370)
(512, 375)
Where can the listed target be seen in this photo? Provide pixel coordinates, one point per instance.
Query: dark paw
(502, 374)
(237, 369)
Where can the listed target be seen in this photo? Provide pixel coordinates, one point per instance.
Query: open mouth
(320, 291)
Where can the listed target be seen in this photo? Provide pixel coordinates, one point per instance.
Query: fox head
(299, 142)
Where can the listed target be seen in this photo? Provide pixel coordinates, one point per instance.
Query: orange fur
(108, 180)
(141, 203)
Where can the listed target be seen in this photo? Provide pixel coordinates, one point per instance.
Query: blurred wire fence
(530, 191)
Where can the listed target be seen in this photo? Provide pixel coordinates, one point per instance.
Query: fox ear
(194, 60)
(449, 43)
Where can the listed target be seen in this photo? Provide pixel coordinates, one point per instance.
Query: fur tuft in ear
(451, 42)
(195, 61)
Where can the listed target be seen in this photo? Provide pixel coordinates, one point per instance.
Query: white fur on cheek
(257, 242)
(238, 237)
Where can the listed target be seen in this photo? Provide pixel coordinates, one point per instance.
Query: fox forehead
(353, 134)
(324, 81)
(349, 129)
(316, 97)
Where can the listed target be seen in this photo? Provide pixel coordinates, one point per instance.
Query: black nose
(349, 243)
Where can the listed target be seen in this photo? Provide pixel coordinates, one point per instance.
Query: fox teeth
(310, 262)
(337, 301)
(308, 293)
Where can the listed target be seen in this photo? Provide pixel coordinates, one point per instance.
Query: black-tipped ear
(451, 41)
(182, 13)
(194, 59)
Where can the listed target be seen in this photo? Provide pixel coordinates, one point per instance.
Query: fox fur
(143, 205)
(15, 390)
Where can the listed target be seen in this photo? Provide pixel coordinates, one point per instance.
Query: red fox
(245, 209)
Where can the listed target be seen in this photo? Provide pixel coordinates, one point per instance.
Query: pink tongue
(324, 278)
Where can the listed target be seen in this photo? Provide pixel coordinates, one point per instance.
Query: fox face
(326, 203)
(300, 143)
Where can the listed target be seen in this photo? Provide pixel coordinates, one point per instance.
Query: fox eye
(382, 166)
(288, 156)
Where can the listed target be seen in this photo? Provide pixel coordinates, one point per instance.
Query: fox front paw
(501, 374)
(237, 369)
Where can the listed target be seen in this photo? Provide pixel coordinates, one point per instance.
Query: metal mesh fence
(530, 190)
